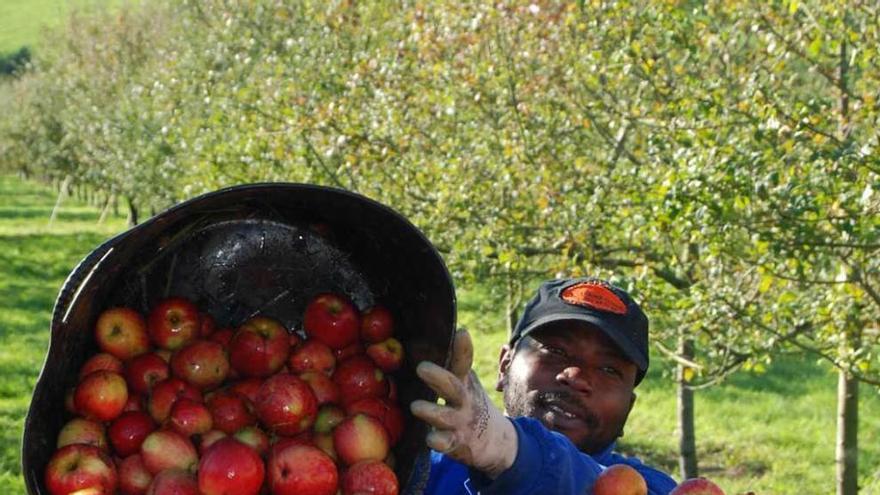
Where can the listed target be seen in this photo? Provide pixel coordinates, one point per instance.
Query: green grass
(22, 21)
(771, 434)
(35, 258)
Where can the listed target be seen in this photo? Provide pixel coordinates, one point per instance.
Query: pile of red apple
(172, 405)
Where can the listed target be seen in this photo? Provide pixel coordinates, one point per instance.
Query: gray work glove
(468, 428)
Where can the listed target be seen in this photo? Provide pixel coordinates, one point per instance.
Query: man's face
(572, 378)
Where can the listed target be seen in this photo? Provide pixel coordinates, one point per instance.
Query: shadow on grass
(37, 214)
(42, 258)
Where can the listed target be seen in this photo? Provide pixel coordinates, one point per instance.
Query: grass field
(22, 21)
(773, 434)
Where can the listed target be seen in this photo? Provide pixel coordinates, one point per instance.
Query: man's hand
(468, 428)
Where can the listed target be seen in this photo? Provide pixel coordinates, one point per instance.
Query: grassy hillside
(21, 21)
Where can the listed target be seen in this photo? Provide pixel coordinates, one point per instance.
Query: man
(567, 375)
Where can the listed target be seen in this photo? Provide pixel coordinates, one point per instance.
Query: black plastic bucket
(255, 249)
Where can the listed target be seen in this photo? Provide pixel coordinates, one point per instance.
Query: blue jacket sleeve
(548, 463)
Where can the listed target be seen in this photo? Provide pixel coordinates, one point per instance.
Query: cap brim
(628, 348)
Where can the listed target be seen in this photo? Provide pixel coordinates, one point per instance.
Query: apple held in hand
(230, 467)
(260, 347)
(122, 332)
(78, 467)
(173, 323)
(332, 320)
(697, 486)
(620, 479)
(302, 470)
(373, 477)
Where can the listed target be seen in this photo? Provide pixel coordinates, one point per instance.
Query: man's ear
(503, 364)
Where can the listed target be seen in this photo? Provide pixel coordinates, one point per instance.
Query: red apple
(388, 413)
(134, 403)
(259, 347)
(329, 416)
(372, 477)
(167, 449)
(360, 438)
(249, 387)
(333, 320)
(77, 467)
(697, 486)
(359, 378)
(134, 479)
(128, 431)
(122, 332)
(230, 411)
(190, 417)
(377, 324)
(312, 356)
(208, 325)
(346, 352)
(388, 354)
(101, 361)
(302, 470)
(222, 337)
(286, 405)
(281, 443)
(101, 395)
(620, 479)
(174, 482)
(230, 467)
(209, 439)
(392, 389)
(326, 391)
(81, 430)
(255, 438)
(144, 371)
(294, 340)
(173, 323)
(203, 364)
(166, 393)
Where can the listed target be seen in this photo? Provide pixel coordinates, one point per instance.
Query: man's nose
(576, 378)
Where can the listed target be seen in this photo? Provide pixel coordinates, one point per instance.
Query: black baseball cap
(594, 301)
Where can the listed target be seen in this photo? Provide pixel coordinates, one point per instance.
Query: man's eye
(611, 370)
(554, 350)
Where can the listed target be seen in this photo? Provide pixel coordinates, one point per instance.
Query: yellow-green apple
(387, 412)
(77, 467)
(173, 323)
(360, 438)
(326, 391)
(167, 449)
(166, 393)
(620, 479)
(255, 438)
(333, 320)
(81, 430)
(373, 477)
(302, 470)
(388, 354)
(359, 378)
(144, 371)
(101, 361)
(329, 416)
(697, 486)
(324, 441)
(377, 324)
(312, 356)
(128, 431)
(190, 417)
(122, 332)
(202, 363)
(173, 482)
(101, 395)
(259, 347)
(230, 467)
(230, 411)
(134, 479)
(286, 404)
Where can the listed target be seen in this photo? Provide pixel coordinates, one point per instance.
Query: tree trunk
(687, 440)
(847, 455)
(62, 192)
(132, 213)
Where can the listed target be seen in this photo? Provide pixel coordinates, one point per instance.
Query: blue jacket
(547, 463)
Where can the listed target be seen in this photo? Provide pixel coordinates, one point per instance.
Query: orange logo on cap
(594, 296)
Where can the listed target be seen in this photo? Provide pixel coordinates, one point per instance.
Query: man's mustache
(569, 402)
